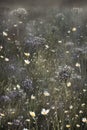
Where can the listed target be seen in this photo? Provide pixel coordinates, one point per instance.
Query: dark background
(44, 3)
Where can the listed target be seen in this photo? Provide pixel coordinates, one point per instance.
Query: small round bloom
(84, 120)
(26, 54)
(32, 97)
(5, 34)
(46, 93)
(68, 84)
(77, 125)
(27, 61)
(32, 114)
(77, 65)
(6, 59)
(68, 126)
(74, 29)
(44, 111)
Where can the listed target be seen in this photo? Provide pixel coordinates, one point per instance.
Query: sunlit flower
(6, 59)
(44, 111)
(32, 114)
(76, 115)
(74, 29)
(80, 111)
(46, 93)
(28, 120)
(2, 114)
(1, 47)
(14, 88)
(68, 84)
(83, 104)
(67, 52)
(46, 46)
(77, 65)
(59, 41)
(32, 97)
(27, 61)
(5, 34)
(20, 22)
(69, 31)
(71, 107)
(18, 86)
(65, 111)
(84, 90)
(77, 125)
(53, 107)
(2, 56)
(25, 129)
(8, 39)
(68, 126)
(84, 120)
(10, 123)
(15, 25)
(27, 54)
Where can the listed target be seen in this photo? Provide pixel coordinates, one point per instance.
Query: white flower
(74, 29)
(26, 54)
(84, 90)
(69, 31)
(77, 125)
(32, 114)
(27, 61)
(9, 39)
(80, 111)
(15, 25)
(59, 41)
(46, 93)
(44, 111)
(77, 65)
(68, 84)
(1, 47)
(68, 126)
(2, 114)
(84, 120)
(46, 46)
(20, 22)
(25, 129)
(2, 56)
(6, 59)
(10, 123)
(71, 107)
(28, 120)
(5, 34)
(32, 97)
(18, 86)
(83, 104)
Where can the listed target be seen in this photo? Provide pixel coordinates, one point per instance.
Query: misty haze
(43, 65)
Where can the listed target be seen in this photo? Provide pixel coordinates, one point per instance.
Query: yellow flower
(67, 126)
(68, 84)
(32, 114)
(44, 111)
(26, 54)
